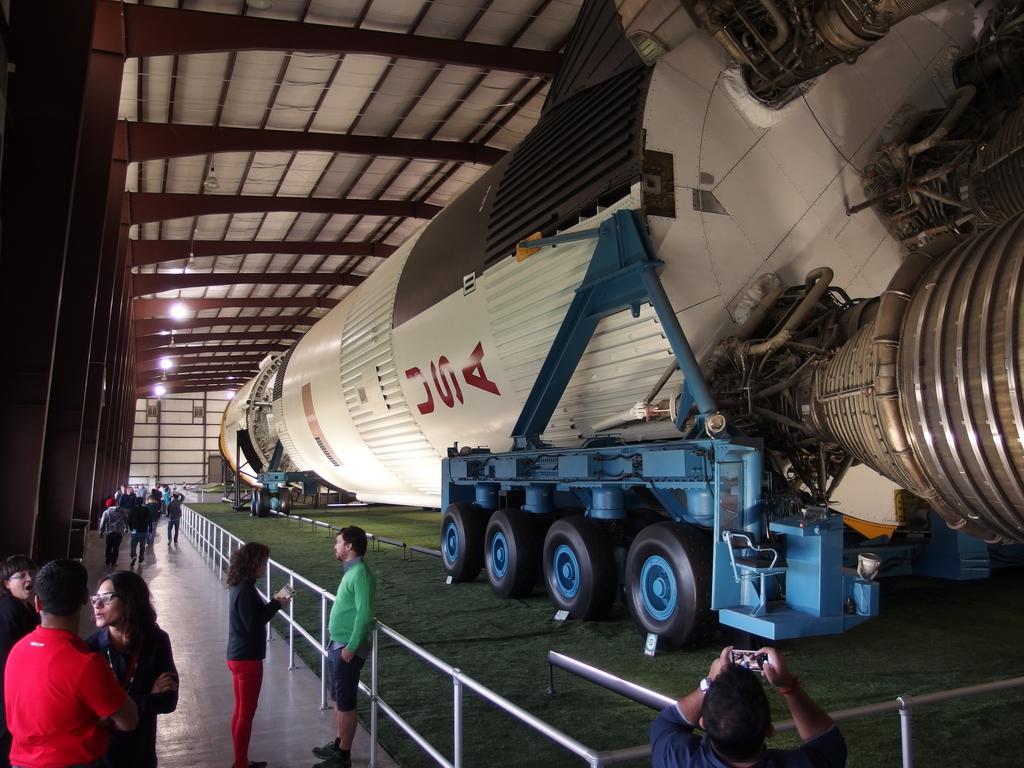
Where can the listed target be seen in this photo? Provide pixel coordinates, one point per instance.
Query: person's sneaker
(336, 762)
(132, 563)
(257, 764)
(328, 751)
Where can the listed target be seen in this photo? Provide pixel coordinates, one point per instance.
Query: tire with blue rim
(512, 552)
(462, 540)
(668, 584)
(579, 567)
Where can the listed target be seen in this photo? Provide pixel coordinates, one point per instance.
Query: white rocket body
(372, 407)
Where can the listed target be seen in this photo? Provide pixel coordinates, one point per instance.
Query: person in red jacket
(60, 697)
(247, 642)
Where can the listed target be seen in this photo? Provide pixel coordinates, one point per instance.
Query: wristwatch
(705, 684)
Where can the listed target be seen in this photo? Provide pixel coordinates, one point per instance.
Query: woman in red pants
(247, 642)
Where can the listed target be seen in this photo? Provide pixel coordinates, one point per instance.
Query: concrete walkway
(192, 607)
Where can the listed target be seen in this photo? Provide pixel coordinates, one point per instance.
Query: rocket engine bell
(929, 393)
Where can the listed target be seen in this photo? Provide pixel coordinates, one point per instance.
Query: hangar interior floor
(191, 605)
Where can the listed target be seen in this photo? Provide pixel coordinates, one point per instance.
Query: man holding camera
(731, 706)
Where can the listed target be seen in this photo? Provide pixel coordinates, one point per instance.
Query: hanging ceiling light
(261, 5)
(166, 363)
(159, 390)
(178, 312)
(211, 182)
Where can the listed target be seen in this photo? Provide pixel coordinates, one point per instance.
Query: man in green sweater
(349, 628)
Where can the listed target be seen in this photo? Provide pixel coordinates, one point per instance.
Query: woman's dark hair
(736, 714)
(136, 604)
(246, 562)
(12, 565)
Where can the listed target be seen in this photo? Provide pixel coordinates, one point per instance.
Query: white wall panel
(172, 445)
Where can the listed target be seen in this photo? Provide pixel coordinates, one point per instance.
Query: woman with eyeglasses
(18, 617)
(139, 653)
(247, 642)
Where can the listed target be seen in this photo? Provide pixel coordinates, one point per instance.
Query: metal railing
(376, 539)
(217, 544)
(902, 704)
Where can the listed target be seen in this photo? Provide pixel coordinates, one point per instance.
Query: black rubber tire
(284, 496)
(462, 540)
(513, 560)
(641, 517)
(579, 568)
(678, 585)
(258, 503)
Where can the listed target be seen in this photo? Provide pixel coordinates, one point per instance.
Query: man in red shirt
(58, 694)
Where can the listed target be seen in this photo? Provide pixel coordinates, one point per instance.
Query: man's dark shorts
(345, 677)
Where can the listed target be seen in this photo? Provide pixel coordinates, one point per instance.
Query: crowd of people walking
(127, 512)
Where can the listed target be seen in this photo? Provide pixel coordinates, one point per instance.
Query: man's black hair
(355, 536)
(61, 586)
(736, 714)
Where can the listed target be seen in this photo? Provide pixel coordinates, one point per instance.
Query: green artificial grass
(932, 635)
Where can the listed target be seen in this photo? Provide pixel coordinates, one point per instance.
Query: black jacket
(247, 632)
(153, 507)
(137, 749)
(138, 519)
(16, 621)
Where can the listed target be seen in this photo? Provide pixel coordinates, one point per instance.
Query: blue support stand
(708, 478)
(952, 555)
(621, 275)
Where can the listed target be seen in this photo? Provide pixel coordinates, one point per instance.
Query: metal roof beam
(180, 351)
(142, 308)
(143, 285)
(154, 31)
(181, 388)
(145, 252)
(153, 141)
(144, 207)
(238, 375)
(249, 360)
(182, 339)
(156, 326)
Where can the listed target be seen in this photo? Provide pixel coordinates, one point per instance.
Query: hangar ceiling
(280, 150)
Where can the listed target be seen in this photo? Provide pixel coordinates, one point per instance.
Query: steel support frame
(77, 311)
(621, 276)
(46, 101)
(94, 480)
(676, 467)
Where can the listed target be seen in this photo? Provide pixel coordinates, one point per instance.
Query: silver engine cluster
(783, 43)
(957, 171)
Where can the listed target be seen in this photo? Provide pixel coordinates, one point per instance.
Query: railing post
(375, 645)
(906, 738)
(323, 649)
(220, 552)
(270, 633)
(291, 623)
(457, 718)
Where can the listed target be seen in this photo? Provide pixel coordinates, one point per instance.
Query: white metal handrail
(373, 537)
(210, 539)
